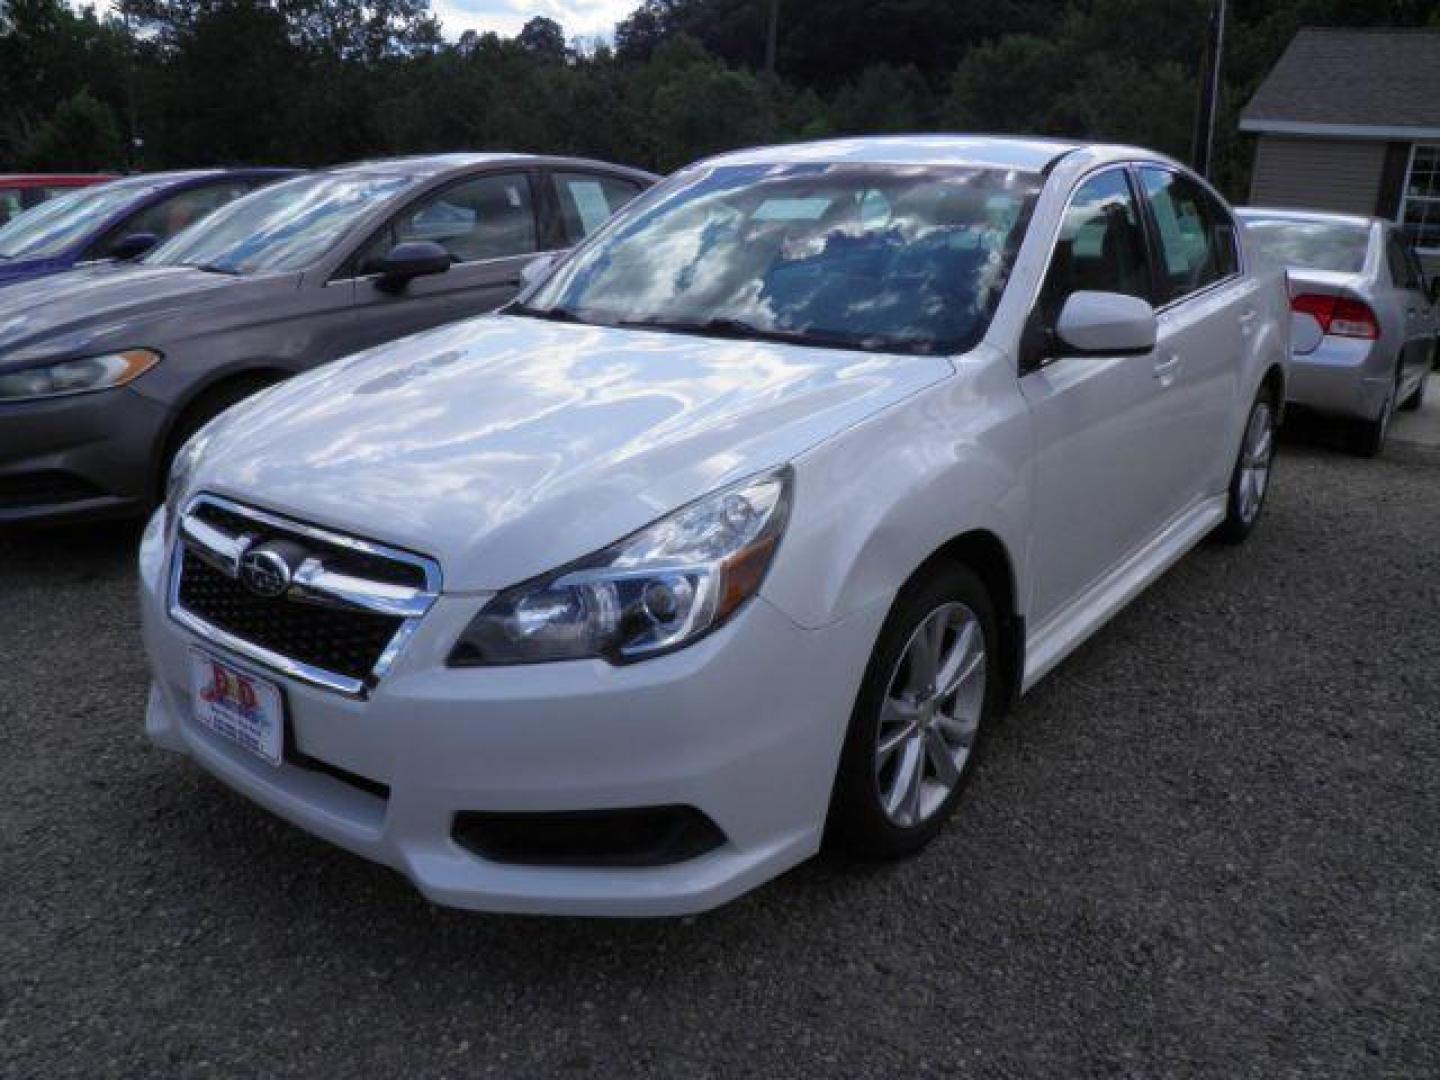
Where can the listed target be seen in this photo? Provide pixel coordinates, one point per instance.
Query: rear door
(490, 226)
(1105, 467)
(1207, 308)
(1413, 308)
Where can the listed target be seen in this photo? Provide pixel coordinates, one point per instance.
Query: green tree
(80, 136)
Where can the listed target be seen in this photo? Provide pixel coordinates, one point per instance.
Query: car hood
(99, 307)
(506, 446)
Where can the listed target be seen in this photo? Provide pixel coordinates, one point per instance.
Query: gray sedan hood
(103, 307)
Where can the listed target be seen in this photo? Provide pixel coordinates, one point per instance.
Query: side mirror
(410, 260)
(536, 270)
(1105, 324)
(133, 246)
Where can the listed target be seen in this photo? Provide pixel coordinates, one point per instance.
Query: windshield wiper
(740, 330)
(214, 268)
(554, 314)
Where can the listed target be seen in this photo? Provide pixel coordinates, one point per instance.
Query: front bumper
(68, 458)
(745, 726)
(1341, 377)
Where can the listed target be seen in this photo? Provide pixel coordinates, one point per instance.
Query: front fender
(876, 501)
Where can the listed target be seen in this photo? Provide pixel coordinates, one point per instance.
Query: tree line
(168, 83)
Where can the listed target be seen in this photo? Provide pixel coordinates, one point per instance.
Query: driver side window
(489, 217)
(1101, 247)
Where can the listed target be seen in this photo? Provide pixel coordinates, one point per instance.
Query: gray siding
(1318, 174)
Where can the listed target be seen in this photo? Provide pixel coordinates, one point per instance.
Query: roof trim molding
(1340, 131)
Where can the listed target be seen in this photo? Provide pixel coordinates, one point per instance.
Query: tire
(1417, 396)
(1250, 478)
(1367, 438)
(873, 813)
(208, 405)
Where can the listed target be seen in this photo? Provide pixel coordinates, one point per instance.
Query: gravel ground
(1207, 845)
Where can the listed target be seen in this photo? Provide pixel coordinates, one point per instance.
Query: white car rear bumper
(745, 727)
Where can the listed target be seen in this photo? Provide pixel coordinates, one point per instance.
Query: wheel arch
(985, 554)
(202, 396)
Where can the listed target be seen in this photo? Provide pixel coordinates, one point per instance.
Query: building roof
(1356, 83)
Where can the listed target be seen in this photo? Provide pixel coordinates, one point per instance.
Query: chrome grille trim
(313, 583)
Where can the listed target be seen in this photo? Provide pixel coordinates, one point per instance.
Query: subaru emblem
(264, 571)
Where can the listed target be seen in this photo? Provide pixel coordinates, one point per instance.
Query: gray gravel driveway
(1208, 845)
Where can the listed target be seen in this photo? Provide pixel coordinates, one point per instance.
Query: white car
(734, 534)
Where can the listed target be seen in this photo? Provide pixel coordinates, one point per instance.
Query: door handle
(1247, 320)
(1166, 368)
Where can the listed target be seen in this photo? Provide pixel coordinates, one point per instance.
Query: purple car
(120, 220)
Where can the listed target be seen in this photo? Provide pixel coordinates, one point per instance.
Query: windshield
(1338, 246)
(888, 258)
(283, 227)
(53, 227)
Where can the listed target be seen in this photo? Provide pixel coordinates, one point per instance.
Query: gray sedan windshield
(283, 227)
(54, 226)
(888, 258)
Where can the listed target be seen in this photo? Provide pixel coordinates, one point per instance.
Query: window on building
(1420, 201)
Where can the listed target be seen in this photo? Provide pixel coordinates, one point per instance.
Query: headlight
(658, 590)
(183, 468)
(76, 376)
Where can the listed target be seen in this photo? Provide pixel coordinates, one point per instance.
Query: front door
(489, 226)
(1103, 479)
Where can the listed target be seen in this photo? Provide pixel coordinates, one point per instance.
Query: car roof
(1306, 215)
(1030, 154)
(424, 166)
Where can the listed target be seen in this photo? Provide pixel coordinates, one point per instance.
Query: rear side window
(1197, 234)
(588, 199)
(1101, 247)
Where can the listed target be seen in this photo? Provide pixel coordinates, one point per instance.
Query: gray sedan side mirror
(410, 260)
(1105, 324)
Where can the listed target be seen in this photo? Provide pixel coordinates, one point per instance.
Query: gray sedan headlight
(76, 376)
(655, 591)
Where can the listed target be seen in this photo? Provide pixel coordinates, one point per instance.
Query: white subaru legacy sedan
(733, 535)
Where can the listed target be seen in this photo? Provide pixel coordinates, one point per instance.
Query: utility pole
(133, 142)
(772, 34)
(1203, 155)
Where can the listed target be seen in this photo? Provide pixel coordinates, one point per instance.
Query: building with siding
(1349, 120)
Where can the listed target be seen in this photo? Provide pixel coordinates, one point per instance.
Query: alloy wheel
(930, 715)
(1255, 461)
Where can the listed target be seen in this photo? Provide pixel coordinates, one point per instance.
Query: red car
(20, 191)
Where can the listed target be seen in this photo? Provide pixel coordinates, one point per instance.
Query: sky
(580, 18)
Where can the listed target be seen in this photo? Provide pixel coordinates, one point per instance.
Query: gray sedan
(1364, 317)
(106, 370)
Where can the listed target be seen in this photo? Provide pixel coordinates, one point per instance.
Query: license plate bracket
(239, 706)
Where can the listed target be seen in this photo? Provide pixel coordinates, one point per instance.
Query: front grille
(346, 642)
(335, 614)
